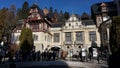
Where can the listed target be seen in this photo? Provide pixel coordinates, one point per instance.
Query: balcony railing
(68, 42)
(78, 42)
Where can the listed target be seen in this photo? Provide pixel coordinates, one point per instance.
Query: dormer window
(69, 24)
(75, 19)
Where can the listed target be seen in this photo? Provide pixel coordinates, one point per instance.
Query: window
(68, 36)
(69, 24)
(79, 36)
(40, 25)
(45, 26)
(35, 37)
(56, 37)
(17, 38)
(105, 36)
(76, 24)
(92, 36)
(34, 26)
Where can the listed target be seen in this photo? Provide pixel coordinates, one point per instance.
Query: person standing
(84, 53)
(98, 56)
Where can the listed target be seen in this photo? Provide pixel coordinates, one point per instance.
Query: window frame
(92, 36)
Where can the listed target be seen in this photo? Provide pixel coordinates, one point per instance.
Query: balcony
(78, 42)
(68, 42)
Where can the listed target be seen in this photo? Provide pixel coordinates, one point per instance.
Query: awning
(55, 48)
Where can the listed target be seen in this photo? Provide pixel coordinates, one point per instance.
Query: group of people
(85, 55)
(47, 55)
(50, 55)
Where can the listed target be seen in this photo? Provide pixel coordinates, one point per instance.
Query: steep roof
(38, 8)
(73, 17)
(59, 24)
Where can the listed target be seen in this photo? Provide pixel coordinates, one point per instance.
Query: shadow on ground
(43, 64)
(114, 60)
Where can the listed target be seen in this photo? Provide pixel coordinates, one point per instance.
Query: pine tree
(23, 12)
(61, 17)
(66, 15)
(115, 35)
(50, 14)
(26, 41)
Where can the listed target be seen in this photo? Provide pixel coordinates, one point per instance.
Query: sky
(71, 6)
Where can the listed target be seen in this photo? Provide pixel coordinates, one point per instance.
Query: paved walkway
(56, 64)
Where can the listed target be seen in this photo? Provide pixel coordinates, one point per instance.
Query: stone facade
(71, 35)
(78, 35)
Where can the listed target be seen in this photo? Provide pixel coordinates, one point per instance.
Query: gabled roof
(55, 25)
(34, 6)
(20, 22)
(73, 17)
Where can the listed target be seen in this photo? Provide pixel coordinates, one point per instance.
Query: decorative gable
(34, 14)
(73, 22)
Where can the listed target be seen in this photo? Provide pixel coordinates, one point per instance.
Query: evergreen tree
(61, 17)
(24, 10)
(26, 41)
(50, 14)
(19, 13)
(85, 16)
(66, 15)
(55, 16)
(114, 59)
(115, 34)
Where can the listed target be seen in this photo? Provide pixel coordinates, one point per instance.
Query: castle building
(40, 27)
(75, 34)
(102, 14)
(71, 35)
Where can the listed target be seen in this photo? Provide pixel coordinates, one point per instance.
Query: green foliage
(26, 42)
(2, 20)
(25, 47)
(115, 34)
(8, 20)
(66, 15)
(23, 12)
